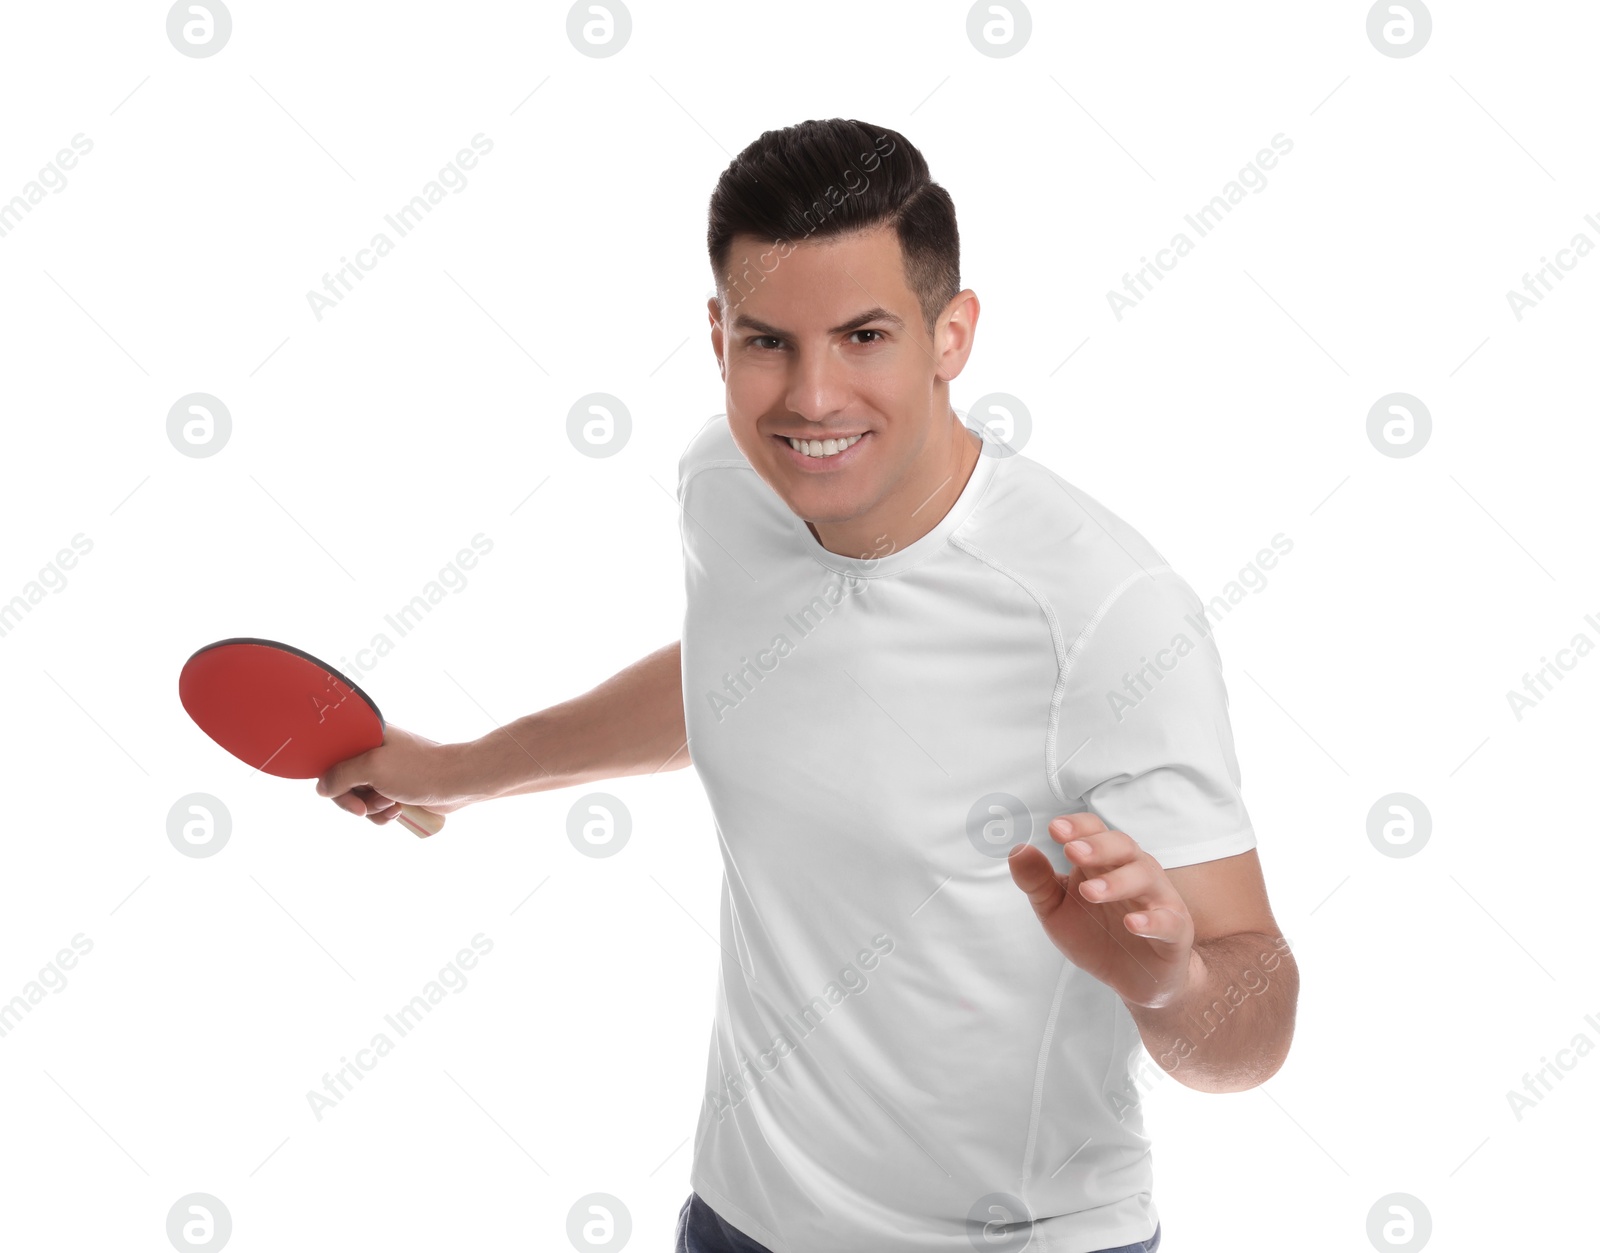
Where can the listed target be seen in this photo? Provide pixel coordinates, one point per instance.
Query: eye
(771, 343)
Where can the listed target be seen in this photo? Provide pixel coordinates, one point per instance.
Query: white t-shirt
(897, 1040)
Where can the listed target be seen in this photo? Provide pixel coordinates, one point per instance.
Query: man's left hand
(1116, 915)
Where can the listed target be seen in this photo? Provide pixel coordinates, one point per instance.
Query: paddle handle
(423, 822)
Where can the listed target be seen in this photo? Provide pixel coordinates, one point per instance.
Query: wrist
(462, 767)
(499, 764)
(1173, 1007)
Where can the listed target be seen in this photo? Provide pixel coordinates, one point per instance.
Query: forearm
(1231, 1028)
(630, 724)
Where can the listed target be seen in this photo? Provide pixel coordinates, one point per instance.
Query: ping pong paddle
(284, 712)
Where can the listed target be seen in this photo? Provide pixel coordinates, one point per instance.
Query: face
(824, 340)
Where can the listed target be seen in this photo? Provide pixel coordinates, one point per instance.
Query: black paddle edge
(298, 652)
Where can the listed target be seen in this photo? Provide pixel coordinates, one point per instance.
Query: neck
(916, 504)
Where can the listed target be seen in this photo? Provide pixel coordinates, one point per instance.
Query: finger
(375, 800)
(1101, 850)
(1032, 872)
(1130, 880)
(1156, 924)
(344, 776)
(1067, 826)
(384, 815)
(351, 804)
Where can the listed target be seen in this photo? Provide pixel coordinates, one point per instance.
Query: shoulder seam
(1111, 598)
(1078, 647)
(1057, 644)
(1066, 657)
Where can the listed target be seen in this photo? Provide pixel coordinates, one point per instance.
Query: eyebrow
(879, 314)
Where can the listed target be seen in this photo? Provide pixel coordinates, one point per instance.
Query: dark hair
(831, 177)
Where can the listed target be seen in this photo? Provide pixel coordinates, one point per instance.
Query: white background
(368, 447)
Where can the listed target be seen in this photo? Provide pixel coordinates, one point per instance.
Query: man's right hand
(633, 723)
(405, 769)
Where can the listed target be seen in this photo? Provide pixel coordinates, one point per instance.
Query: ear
(714, 314)
(953, 334)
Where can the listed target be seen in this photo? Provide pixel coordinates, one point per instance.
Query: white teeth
(822, 447)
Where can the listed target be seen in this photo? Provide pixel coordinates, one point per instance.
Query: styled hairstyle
(831, 177)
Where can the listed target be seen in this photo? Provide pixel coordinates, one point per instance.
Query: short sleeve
(1142, 735)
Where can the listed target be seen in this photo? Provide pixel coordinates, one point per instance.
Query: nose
(818, 386)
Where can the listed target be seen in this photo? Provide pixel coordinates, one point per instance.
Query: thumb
(1032, 872)
(350, 773)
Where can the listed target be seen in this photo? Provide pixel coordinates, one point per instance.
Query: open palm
(1116, 915)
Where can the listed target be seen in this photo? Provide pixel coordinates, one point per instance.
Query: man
(911, 670)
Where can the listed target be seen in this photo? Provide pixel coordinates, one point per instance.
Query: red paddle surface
(276, 708)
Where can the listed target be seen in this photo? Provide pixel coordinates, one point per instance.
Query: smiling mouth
(821, 449)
